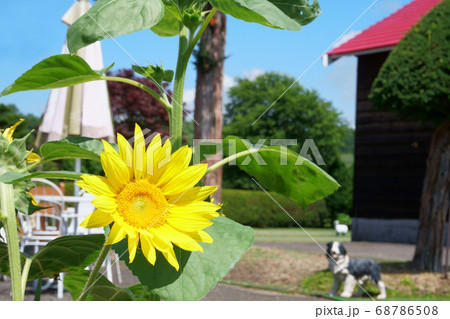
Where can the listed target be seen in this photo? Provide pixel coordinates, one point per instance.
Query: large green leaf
(103, 289)
(14, 177)
(111, 18)
(286, 14)
(72, 147)
(63, 254)
(283, 171)
(54, 72)
(168, 26)
(199, 271)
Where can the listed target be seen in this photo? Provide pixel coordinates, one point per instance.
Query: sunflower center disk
(142, 205)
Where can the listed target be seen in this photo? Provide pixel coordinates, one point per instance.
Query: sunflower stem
(176, 117)
(93, 276)
(8, 218)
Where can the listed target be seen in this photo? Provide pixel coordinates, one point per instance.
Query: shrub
(256, 209)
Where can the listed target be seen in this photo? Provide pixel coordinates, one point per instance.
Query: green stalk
(93, 276)
(186, 45)
(176, 118)
(141, 86)
(8, 215)
(234, 157)
(25, 271)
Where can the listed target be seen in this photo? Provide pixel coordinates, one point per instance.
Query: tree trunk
(208, 94)
(435, 203)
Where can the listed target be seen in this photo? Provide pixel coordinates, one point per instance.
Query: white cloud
(346, 37)
(253, 73)
(228, 82)
(189, 99)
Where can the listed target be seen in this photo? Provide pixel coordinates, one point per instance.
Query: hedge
(257, 209)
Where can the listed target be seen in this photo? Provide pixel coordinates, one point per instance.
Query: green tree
(415, 82)
(299, 114)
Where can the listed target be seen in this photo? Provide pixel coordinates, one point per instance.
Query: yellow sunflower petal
(96, 185)
(139, 156)
(115, 170)
(152, 150)
(33, 157)
(8, 133)
(201, 235)
(105, 204)
(178, 162)
(116, 234)
(97, 219)
(148, 249)
(108, 148)
(186, 179)
(194, 194)
(188, 224)
(159, 241)
(180, 239)
(171, 258)
(126, 152)
(133, 242)
(161, 158)
(194, 207)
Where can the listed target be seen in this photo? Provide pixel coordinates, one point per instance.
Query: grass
(298, 235)
(306, 273)
(407, 289)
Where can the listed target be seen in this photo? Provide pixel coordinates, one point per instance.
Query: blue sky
(32, 30)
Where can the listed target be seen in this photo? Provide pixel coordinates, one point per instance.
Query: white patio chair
(44, 225)
(84, 209)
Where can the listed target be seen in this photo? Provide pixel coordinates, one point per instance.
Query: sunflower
(149, 197)
(8, 133)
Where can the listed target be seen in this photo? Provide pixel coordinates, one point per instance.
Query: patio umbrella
(83, 109)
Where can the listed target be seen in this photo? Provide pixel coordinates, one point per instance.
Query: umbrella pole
(76, 188)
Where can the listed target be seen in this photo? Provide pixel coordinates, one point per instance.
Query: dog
(352, 272)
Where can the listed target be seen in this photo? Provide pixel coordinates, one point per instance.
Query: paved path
(388, 251)
(224, 292)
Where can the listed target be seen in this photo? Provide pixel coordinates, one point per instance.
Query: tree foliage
(131, 105)
(299, 114)
(10, 115)
(415, 79)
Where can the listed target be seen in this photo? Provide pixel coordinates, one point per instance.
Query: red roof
(386, 33)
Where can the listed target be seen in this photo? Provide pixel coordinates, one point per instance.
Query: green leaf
(283, 171)
(105, 69)
(288, 15)
(72, 147)
(64, 254)
(168, 26)
(14, 177)
(199, 271)
(4, 261)
(111, 18)
(203, 150)
(54, 72)
(154, 73)
(299, 10)
(103, 289)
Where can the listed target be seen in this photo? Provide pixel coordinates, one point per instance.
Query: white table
(67, 214)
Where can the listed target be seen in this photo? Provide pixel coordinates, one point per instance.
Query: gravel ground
(356, 249)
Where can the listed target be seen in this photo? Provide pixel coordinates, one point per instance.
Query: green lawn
(298, 235)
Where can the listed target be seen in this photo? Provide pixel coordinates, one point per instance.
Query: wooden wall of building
(390, 154)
